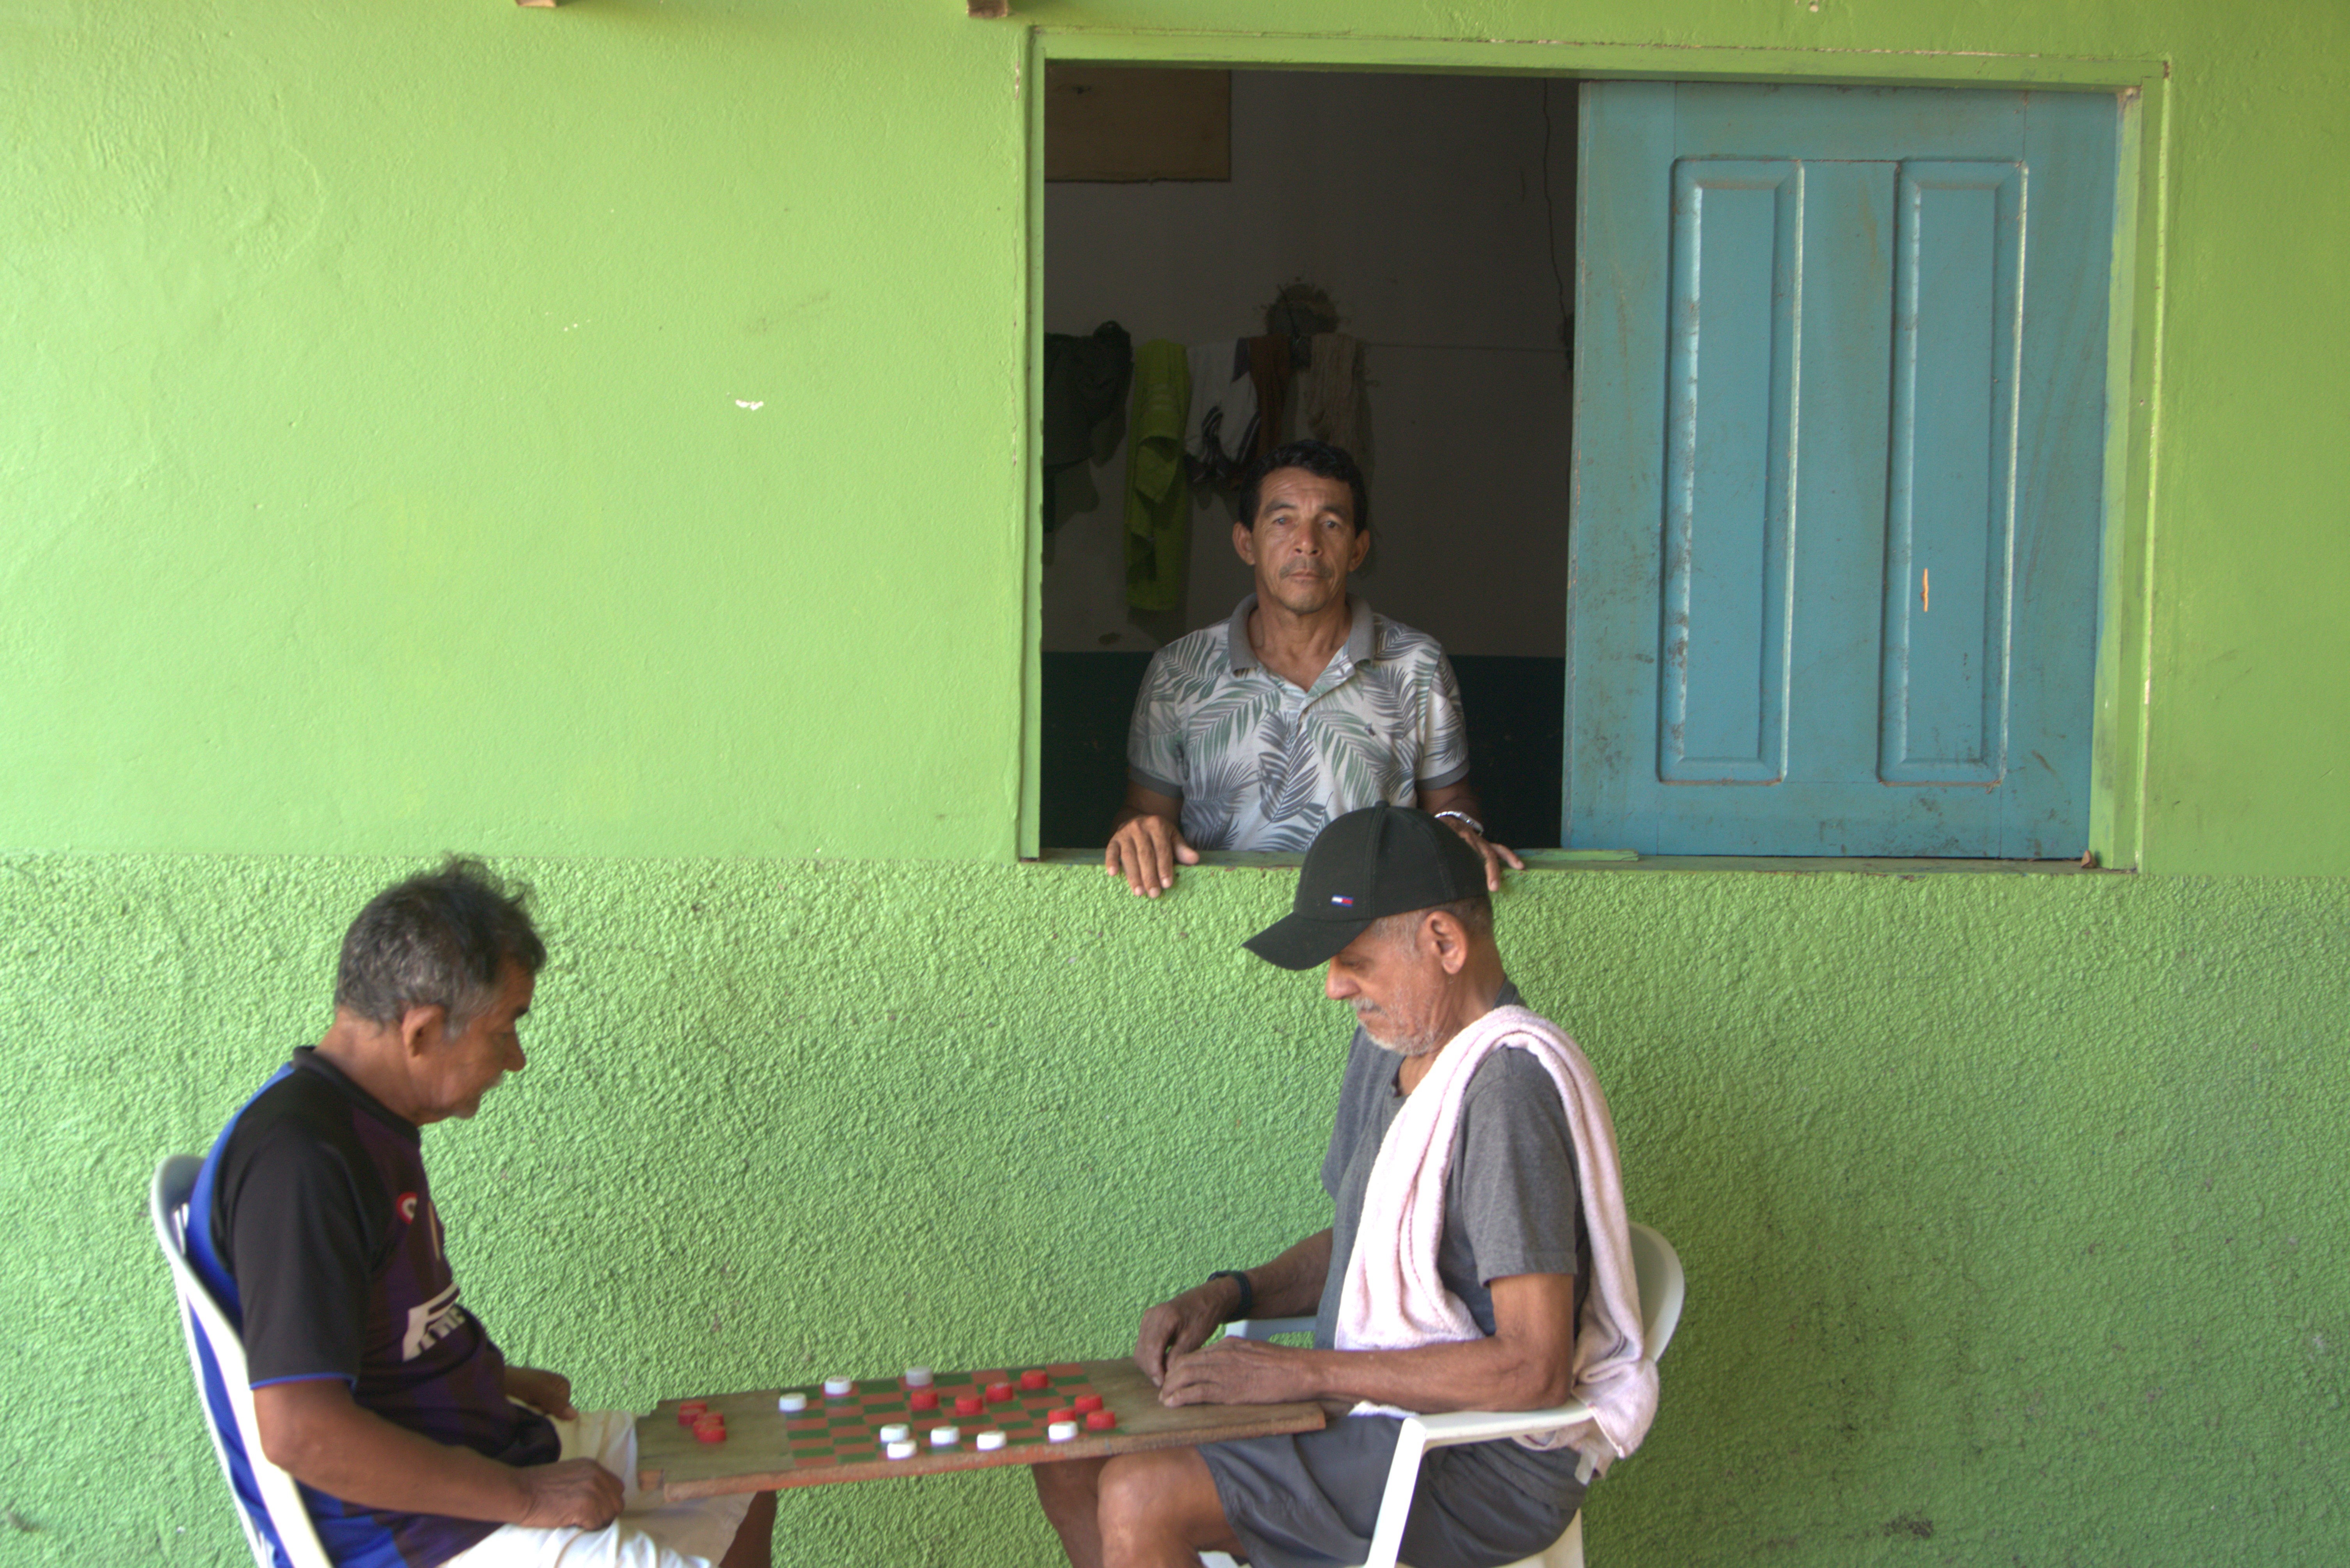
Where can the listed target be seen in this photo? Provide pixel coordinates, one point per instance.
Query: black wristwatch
(1248, 1291)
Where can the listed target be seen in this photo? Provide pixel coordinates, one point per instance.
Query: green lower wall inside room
(2013, 1206)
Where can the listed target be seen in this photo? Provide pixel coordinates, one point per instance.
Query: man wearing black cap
(1395, 903)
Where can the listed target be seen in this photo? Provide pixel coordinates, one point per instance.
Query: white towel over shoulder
(1393, 1299)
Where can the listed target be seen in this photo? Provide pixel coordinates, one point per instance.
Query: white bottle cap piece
(988, 1439)
(792, 1402)
(1061, 1431)
(839, 1387)
(896, 1432)
(918, 1377)
(899, 1450)
(945, 1437)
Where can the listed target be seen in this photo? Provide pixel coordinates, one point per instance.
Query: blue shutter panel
(1958, 288)
(1730, 472)
(1837, 469)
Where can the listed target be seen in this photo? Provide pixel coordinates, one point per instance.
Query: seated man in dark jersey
(1457, 1102)
(417, 1443)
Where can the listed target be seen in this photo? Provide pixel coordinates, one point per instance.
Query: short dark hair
(1314, 457)
(440, 939)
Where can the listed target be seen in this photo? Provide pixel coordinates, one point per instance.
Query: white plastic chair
(215, 1350)
(1658, 1269)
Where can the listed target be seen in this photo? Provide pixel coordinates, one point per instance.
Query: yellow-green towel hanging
(1158, 497)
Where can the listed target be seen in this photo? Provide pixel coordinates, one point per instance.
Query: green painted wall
(377, 476)
(377, 371)
(2013, 1207)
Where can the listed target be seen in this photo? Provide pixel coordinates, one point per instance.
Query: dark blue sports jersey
(314, 1225)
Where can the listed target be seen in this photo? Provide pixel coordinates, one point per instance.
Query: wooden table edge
(1277, 1420)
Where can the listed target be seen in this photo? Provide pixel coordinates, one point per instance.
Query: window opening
(1429, 222)
(1859, 621)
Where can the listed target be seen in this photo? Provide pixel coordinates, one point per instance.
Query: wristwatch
(1248, 1291)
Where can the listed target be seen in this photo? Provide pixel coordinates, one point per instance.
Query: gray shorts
(1312, 1499)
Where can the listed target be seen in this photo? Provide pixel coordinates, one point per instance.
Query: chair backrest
(282, 1536)
(1657, 1268)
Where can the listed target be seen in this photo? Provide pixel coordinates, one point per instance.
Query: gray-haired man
(314, 1226)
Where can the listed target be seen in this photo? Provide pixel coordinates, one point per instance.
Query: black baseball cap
(1381, 860)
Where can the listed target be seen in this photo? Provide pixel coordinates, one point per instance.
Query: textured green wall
(2013, 1206)
(372, 422)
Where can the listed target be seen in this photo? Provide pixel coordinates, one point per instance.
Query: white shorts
(680, 1535)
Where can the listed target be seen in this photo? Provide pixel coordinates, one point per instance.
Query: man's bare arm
(1289, 1286)
(1460, 797)
(318, 1434)
(1526, 1364)
(548, 1393)
(1146, 841)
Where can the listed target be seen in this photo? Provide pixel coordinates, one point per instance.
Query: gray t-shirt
(1512, 1205)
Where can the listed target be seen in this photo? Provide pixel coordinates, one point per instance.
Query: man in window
(1305, 705)
(313, 1225)
(1477, 1258)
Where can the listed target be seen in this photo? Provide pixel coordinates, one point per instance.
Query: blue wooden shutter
(1839, 451)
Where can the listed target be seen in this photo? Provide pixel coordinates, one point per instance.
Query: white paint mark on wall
(760, 404)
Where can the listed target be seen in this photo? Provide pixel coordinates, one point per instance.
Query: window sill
(1620, 860)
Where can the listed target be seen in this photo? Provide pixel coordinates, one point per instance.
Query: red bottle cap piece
(1035, 1377)
(1100, 1420)
(999, 1392)
(1089, 1401)
(689, 1408)
(924, 1399)
(1061, 1416)
(710, 1430)
(968, 1404)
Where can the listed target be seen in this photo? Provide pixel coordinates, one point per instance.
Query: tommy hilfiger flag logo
(1343, 901)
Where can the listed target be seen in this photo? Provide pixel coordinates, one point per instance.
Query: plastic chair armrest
(1266, 1327)
(1483, 1425)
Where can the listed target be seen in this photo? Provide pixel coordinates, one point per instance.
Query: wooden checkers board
(840, 1439)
